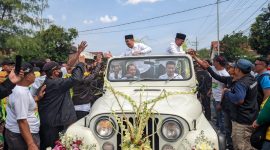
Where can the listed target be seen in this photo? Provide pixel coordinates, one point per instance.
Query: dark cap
(27, 68)
(221, 60)
(129, 37)
(36, 69)
(50, 66)
(180, 36)
(8, 62)
(244, 65)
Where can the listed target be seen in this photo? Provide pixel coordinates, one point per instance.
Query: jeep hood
(185, 106)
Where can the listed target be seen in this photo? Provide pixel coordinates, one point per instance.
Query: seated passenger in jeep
(170, 72)
(117, 72)
(131, 72)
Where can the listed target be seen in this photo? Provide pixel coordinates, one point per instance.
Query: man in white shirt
(22, 125)
(217, 88)
(170, 72)
(117, 72)
(135, 49)
(176, 46)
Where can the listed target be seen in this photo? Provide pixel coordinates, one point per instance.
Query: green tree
(27, 47)
(235, 46)
(204, 53)
(19, 18)
(56, 42)
(260, 33)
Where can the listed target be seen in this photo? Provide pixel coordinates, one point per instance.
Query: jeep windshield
(149, 69)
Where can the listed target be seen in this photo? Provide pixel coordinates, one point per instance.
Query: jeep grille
(150, 129)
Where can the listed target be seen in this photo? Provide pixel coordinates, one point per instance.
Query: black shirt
(56, 107)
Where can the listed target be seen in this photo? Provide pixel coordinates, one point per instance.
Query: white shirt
(174, 49)
(112, 76)
(21, 105)
(176, 76)
(144, 49)
(217, 86)
(141, 66)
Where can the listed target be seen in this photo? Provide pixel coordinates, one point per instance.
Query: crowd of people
(46, 97)
(240, 91)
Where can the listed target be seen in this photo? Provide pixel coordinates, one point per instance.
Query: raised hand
(192, 52)
(204, 64)
(15, 78)
(82, 46)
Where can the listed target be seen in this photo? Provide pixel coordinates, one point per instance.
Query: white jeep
(176, 122)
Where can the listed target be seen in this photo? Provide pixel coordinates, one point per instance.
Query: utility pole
(218, 46)
(196, 43)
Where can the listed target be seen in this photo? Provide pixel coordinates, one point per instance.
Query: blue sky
(158, 33)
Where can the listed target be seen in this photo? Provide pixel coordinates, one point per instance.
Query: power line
(210, 29)
(251, 15)
(176, 22)
(249, 26)
(226, 8)
(237, 16)
(229, 5)
(246, 30)
(247, 20)
(157, 17)
(238, 4)
(204, 22)
(213, 24)
(153, 26)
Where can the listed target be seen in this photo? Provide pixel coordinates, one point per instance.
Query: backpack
(258, 136)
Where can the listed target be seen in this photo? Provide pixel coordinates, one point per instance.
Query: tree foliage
(56, 42)
(18, 16)
(27, 47)
(19, 21)
(260, 33)
(235, 46)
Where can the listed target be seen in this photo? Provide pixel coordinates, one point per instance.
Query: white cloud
(50, 17)
(64, 17)
(134, 2)
(108, 19)
(85, 21)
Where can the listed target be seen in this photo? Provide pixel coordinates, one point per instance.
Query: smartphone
(18, 64)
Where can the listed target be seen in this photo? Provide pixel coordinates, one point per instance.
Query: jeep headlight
(171, 130)
(104, 127)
